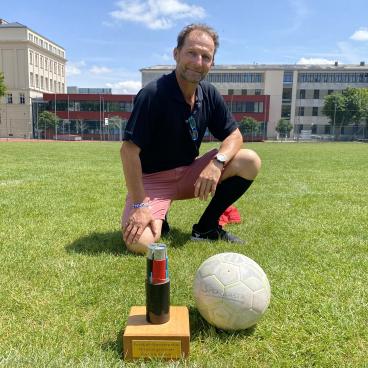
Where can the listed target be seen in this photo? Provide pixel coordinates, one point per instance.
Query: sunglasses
(193, 127)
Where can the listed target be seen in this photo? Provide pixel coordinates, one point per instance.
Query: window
(62, 70)
(62, 87)
(55, 86)
(46, 84)
(257, 92)
(316, 94)
(230, 92)
(36, 59)
(302, 94)
(41, 82)
(301, 110)
(37, 82)
(51, 64)
(31, 79)
(59, 87)
(41, 61)
(330, 91)
(244, 92)
(22, 98)
(288, 77)
(285, 111)
(315, 111)
(51, 85)
(31, 57)
(55, 70)
(46, 63)
(10, 98)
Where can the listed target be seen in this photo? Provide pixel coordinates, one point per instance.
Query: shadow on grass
(200, 328)
(99, 243)
(175, 238)
(115, 346)
(112, 243)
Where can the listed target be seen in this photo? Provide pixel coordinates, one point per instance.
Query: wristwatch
(221, 158)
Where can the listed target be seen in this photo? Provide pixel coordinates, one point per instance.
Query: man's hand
(208, 180)
(138, 220)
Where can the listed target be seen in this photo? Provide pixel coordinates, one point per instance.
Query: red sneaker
(223, 220)
(233, 215)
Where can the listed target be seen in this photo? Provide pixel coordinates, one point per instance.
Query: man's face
(195, 58)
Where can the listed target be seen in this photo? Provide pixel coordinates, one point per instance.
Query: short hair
(197, 27)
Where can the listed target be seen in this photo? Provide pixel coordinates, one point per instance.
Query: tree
(356, 102)
(47, 120)
(249, 126)
(284, 128)
(334, 108)
(118, 123)
(2, 85)
(349, 107)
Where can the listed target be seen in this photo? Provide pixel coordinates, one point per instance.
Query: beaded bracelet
(140, 205)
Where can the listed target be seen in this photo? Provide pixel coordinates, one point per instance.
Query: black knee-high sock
(226, 194)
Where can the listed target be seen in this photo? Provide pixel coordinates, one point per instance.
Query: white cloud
(360, 35)
(74, 68)
(317, 61)
(156, 14)
(125, 87)
(99, 70)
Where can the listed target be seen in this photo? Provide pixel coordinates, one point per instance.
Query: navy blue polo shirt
(158, 123)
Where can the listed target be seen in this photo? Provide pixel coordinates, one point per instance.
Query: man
(161, 145)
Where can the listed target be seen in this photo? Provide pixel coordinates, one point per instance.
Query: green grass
(67, 283)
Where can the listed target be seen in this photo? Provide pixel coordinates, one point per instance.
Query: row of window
(22, 98)
(301, 111)
(45, 44)
(107, 106)
(244, 92)
(333, 77)
(241, 106)
(45, 83)
(234, 77)
(316, 94)
(45, 63)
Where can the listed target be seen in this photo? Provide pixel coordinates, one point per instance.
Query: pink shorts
(165, 186)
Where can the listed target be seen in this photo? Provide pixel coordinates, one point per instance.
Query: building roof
(12, 25)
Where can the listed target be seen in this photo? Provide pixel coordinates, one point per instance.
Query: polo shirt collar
(176, 93)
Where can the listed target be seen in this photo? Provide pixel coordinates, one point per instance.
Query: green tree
(48, 120)
(249, 126)
(356, 102)
(2, 85)
(284, 128)
(335, 108)
(118, 123)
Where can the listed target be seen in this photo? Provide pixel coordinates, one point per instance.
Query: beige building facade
(32, 65)
(296, 91)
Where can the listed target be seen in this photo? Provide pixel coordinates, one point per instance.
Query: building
(75, 89)
(296, 92)
(32, 65)
(103, 116)
(84, 116)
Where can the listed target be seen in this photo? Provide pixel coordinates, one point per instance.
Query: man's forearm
(232, 144)
(132, 167)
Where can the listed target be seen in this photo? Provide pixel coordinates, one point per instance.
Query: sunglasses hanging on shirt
(192, 123)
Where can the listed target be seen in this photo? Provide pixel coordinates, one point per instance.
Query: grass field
(67, 283)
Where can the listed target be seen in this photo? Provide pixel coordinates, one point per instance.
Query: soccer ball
(231, 291)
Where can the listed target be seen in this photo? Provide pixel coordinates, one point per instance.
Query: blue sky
(107, 42)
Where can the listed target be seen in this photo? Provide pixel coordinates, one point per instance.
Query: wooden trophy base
(169, 340)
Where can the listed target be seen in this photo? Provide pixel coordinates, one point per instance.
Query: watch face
(221, 157)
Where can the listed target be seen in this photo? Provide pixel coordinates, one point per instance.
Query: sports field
(67, 283)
